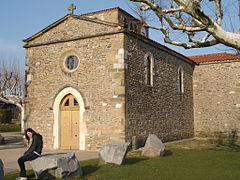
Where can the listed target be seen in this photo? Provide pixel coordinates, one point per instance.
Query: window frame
(65, 65)
(149, 69)
(180, 79)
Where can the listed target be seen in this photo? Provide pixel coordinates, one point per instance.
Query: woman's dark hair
(29, 130)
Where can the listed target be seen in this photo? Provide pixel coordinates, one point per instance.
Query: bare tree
(144, 16)
(12, 86)
(201, 21)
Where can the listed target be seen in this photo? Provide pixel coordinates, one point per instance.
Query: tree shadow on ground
(89, 169)
(229, 142)
(225, 146)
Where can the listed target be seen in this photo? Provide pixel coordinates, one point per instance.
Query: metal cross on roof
(71, 8)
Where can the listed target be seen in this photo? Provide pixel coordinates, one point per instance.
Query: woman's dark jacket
(37, 144)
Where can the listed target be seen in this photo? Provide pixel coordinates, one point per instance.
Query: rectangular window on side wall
(149, 68)
(180, 80)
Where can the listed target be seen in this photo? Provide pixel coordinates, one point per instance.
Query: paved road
(13, 149)
(12, 140)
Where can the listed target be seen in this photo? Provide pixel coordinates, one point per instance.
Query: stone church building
(97, 78)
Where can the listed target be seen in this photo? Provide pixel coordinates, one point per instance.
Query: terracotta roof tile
(215, 57)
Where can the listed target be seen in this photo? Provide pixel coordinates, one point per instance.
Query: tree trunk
(21, 107)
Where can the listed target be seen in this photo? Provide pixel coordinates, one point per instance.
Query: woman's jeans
(24, 158)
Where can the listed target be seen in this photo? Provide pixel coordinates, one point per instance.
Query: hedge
(5, 115)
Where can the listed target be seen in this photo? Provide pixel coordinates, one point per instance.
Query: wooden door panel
(75, 129)
(66, 129)
(70, 129)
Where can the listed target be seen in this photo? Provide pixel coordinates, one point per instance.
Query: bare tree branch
(239, 9)
(153, 27)
(189, 17)
(145, 16)
(12, 86)
(219, 12)
(189, 46)
(204, 38)
(173, 10)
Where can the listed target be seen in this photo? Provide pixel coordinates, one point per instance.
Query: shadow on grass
(13, 176)
(134, 160)
(227, 147)
(168, 152)
(90, 169)
(229, 142)
(31, 176)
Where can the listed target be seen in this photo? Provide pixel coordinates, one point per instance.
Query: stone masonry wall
(73, 28)
(217, 99)
(110, 15)
(99, 80)
(161, 109)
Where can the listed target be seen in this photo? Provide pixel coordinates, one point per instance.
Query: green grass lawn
(10, 128)
(189, 160)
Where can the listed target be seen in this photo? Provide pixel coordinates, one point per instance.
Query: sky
(21, 19)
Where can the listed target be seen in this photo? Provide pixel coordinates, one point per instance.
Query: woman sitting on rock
(32, 153)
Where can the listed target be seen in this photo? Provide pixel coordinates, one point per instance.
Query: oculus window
(71, 62)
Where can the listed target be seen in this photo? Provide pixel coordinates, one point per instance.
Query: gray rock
(1, 170)
(60, 165)
(153, 147)
(113, 153)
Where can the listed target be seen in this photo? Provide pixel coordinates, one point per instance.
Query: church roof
(47, 28)
(111, 9)
(88, 18)
(218, 57)
(79, 17)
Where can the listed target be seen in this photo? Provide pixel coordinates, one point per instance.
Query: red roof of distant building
(214, 57)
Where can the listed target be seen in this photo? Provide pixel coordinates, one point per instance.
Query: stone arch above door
(56, 112)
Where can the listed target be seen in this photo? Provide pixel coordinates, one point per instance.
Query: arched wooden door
(69, 130)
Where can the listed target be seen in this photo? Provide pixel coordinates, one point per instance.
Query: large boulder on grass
(62, 165)
(1, 170)
(113, 153)
(153, 147)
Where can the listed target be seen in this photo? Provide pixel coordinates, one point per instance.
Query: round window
(71, 62)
